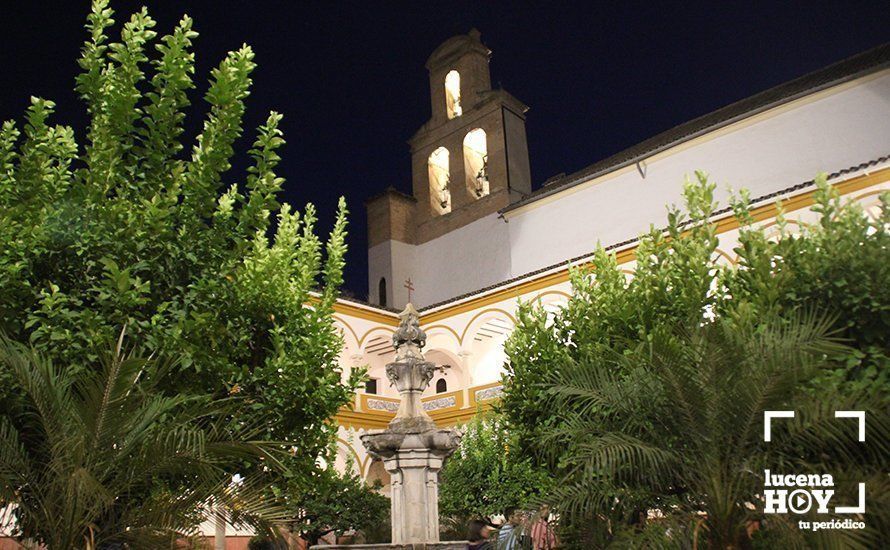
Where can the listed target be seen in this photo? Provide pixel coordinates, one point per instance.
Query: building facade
(473, 239)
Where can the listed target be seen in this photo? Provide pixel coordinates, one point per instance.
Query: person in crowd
(510, 536)
(478, 535)
(542, 533)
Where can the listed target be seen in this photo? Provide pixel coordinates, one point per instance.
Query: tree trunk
(219, 536)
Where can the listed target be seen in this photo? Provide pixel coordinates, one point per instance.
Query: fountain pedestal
(412, 448)
(413, 460)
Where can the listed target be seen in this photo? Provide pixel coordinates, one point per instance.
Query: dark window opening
(371, 386)
(381, 291)
(441, 386)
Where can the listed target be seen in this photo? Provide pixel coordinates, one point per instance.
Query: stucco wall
(466, 259)
(828, 131)
(471, 257)
(840, 128)
(393, 260)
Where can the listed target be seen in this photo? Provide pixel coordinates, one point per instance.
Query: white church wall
(393, 260)
(467, 259)
(379, 265)
(826, 132)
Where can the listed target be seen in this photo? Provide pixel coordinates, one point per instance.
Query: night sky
(351, 83)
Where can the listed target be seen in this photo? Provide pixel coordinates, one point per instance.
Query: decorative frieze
(440, 403)
(381, 405)
(489, 393)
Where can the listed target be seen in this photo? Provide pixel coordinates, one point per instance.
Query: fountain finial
(409, 339)
(410, 373)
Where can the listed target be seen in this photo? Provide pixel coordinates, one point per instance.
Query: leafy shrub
(486, 475)
(647, 392)
(132, 225)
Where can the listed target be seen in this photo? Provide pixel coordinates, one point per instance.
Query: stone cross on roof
(410, 286)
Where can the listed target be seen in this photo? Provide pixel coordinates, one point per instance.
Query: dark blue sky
(350, 80)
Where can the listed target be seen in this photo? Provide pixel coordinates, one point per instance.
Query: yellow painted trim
(720, 132)
(869, 194)
(787, 222)
(361, 341)
(771, 229)
(488, 385)
(804, 200)
(358, 461)
(365, 469)
(442, 418)
(723, 254)
(363, 403)
(348, 326)
(458, 400)
(346, 308)
(450, 418)
(480, 314)
(366, 420)
(723, 225)
(371, 420)
(378, 420)
(559, 293)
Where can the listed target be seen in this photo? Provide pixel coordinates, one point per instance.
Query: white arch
(456, 375)
(483, 341)
(376, 471)
(442, 336)
(481, 318)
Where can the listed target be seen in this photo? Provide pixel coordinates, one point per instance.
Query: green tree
(608, 314)
(100, 457)
(839, 265)
(333, 502)
(640, 393)
(130, 226)
(691, 442)
(485, 475)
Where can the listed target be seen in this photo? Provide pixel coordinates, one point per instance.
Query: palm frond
(99, 455)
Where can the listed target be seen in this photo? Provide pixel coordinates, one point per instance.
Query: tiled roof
(849, 69)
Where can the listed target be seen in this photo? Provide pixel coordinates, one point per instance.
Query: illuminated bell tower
(471, 158)
(468, 161)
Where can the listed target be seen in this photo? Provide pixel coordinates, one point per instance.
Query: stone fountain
(412, 449)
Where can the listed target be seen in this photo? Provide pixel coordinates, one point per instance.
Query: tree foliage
(129, 226)
(334, 502)
(646, 392)
(838, 265)
(486, 475)
(99, 457)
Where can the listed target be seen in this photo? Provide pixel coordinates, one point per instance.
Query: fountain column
(412, 449)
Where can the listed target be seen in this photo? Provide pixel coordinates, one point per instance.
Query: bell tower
(469, 160)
